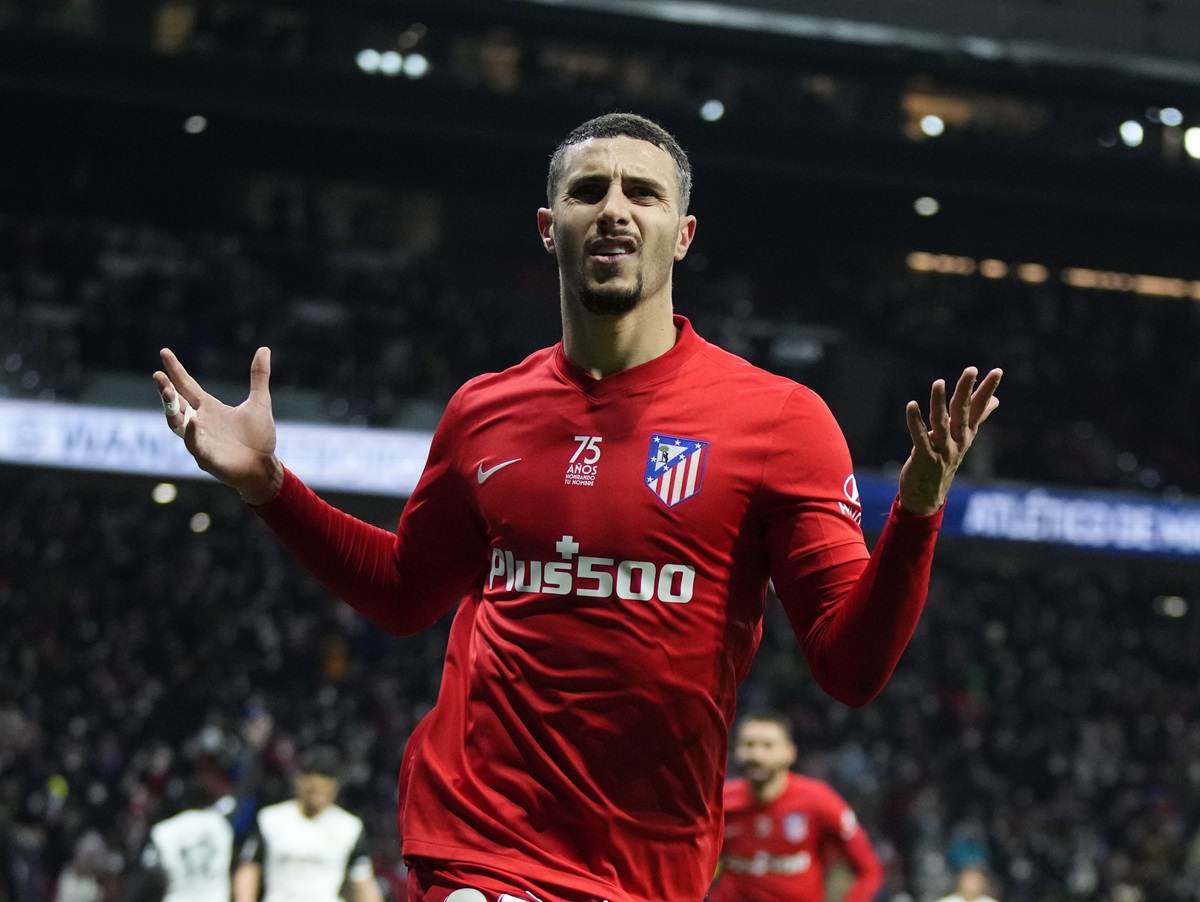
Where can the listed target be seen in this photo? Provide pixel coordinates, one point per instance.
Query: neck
(603, 345)
(772, 789)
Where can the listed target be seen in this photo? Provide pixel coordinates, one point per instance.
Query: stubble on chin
(604, 300)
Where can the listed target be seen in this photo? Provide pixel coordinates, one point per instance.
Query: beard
(759, 775)
(602, 300)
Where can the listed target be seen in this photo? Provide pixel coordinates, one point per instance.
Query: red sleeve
(853, 616)
(402, 581)
(854, 621)
(843, 837)
(868, 870)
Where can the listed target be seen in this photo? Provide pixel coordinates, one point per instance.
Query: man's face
(763, 751)
(315, 793)
(972, 884)
(615, 223)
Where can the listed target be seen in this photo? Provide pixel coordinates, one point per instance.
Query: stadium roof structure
(1030, 96)
(1153, 40)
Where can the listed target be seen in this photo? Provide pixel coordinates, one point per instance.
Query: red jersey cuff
(932, 522)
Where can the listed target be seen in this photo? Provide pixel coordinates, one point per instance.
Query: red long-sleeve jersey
(778, 851)
(609, 543)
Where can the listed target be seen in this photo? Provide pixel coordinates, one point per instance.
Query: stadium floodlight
(416, 65)
(368, 60)
(712, 110)
(164, 493)
(1174, 606)
(390, 62)
(1191, 142)
(1034, 273)
(993, 269)
(1170, 116)
(1132, 133)
(933, 125)
(926, 206)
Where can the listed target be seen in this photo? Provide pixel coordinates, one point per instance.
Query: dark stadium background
(217, 175)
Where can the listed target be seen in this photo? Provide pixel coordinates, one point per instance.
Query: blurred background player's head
(763, 748)
(318, 779)
(972, 882)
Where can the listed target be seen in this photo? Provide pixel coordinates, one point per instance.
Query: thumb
(260, 375)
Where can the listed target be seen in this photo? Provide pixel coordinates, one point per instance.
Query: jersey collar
(641, 376)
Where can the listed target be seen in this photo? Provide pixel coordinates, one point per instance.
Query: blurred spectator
(971, 886)
(89, 875)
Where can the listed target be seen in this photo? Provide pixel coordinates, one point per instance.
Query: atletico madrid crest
(675, 469)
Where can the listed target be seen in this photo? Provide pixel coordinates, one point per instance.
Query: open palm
(234, 444)
(939, 447)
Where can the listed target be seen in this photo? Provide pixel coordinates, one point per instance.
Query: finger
(260, 375)
(984, 401)
(181, 429)
(916, 427)
(171, 402)
(960, 404)
(175, 407)
(939, 416)
(180, 378)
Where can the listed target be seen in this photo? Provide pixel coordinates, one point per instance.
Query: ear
(793, 754)
(545, 219)
(687, 231)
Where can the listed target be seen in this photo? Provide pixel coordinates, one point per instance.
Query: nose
(614, 208)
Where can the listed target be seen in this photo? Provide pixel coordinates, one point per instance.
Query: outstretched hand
(234, 444)
(939, 447)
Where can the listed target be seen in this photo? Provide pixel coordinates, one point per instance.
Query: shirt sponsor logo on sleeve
(853, 510)
(675, 467)
(849, 824)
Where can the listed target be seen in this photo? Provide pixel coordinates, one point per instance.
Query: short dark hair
(629, 125)
(321, 759)
(780, 720)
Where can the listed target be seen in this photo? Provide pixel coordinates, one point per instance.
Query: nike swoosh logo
(484, 475)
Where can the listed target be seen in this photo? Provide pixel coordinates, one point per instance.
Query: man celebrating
(606, 515)
(783, 829)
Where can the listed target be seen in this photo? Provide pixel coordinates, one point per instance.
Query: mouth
(755, 772)
(611, 250)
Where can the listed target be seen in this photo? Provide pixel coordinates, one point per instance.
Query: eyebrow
(642, 181)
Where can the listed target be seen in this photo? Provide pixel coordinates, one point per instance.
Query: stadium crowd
(1043, 721)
